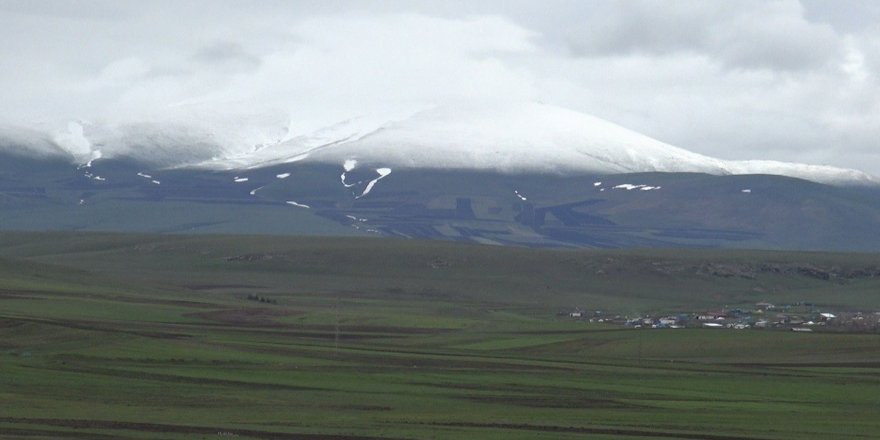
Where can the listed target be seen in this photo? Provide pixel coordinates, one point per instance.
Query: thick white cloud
(747, 34)
(739, 80)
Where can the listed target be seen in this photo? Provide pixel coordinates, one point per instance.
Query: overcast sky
(783, 80)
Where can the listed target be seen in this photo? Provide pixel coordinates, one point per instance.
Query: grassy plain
(139, 336)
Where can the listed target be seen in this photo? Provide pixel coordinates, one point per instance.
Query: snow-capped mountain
(501, 137)
(358, 186)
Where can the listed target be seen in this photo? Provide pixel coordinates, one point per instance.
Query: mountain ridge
(482, 206)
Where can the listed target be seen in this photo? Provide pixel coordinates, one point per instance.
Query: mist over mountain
(506, 137)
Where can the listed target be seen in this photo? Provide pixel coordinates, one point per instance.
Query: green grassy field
(145, 337)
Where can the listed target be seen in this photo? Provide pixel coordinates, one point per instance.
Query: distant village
(801, 317)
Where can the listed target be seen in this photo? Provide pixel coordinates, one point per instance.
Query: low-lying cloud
(780, 80)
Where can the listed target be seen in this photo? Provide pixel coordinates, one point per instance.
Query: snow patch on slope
(641, 187)
(348, 165)
(383, 172)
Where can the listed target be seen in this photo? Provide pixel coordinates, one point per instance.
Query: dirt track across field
(157, 427)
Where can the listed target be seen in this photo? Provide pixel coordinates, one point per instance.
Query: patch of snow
(349, 165)
(602, 190)
(282, 175)
(628, 186)
(99, 178)
(382, 173)
(145, 176)
(156, 182)
(298, 205)
(93, 156)
(641, 187)
(521, 197)
(240, 179)
(747, 191)
(597, 183)
(82, 202)
(254, 191)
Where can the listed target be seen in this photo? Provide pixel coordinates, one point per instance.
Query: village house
(668, 321)
(711, 316)
(764, 306)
